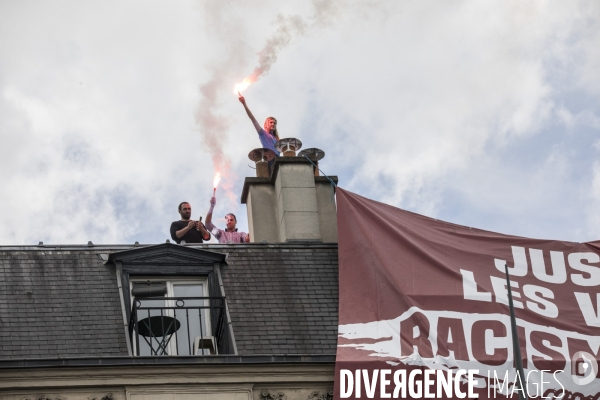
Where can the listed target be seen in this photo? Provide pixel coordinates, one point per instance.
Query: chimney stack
(293, 204)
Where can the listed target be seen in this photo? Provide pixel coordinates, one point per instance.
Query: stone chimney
(292, 205)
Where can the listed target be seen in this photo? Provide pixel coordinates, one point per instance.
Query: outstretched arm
(209, 224)
(254, 121)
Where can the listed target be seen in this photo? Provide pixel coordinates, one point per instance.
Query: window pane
(192, 318)
(154, 327)
(188, 290)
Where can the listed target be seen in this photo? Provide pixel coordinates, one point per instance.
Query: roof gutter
(166, 360)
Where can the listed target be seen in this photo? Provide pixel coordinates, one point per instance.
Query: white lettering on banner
(538, 297)
(591, 316)
(501, 292)
(520, 266)
(539, 304)
(470, 288)
(559, 271)
(575, 261)
(479, 341)
(590, 276)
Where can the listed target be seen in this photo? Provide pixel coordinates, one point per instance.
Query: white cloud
(574, 121)
(436, 107)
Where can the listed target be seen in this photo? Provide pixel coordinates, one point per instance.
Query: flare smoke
(214, 127)
(287, 27)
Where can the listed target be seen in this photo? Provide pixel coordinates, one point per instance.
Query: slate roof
(58, 303)
(284, 299)
(64, 302)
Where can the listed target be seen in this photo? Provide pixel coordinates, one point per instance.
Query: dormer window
(173, 301)
(172, 316)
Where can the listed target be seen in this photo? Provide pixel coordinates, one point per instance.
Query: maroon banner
(424, 311)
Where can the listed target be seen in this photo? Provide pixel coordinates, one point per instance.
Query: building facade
(167, 321)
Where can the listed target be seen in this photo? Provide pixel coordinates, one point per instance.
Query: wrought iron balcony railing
(163, 326)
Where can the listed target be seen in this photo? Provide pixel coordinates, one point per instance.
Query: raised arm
(209, 224)
(254, 121)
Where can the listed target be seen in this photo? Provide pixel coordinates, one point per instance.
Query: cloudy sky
(481, 113)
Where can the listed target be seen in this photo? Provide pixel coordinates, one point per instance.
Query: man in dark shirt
(187, 229)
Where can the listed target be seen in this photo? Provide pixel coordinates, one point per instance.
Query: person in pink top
(230, 234)
(268, 134)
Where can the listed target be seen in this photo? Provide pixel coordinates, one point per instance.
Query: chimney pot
(262, 156)
(315, 155)
(288, 147)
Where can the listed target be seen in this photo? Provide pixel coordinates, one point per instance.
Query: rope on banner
(333, 185)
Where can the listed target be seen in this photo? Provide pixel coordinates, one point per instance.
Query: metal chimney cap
(312, 152)
(288, 144)
(261, 154)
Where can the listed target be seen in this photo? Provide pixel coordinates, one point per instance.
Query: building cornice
(118, 371)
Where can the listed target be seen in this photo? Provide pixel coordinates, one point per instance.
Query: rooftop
(63, 301)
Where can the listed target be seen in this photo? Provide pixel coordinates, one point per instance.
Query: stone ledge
(248, 181)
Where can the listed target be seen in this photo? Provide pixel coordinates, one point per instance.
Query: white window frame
(172, 280)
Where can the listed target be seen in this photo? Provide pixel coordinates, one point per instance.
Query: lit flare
(216, 182)
(243, 85)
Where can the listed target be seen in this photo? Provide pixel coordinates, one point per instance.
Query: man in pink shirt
(230, 234)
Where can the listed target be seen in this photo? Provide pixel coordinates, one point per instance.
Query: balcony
(170, 326)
